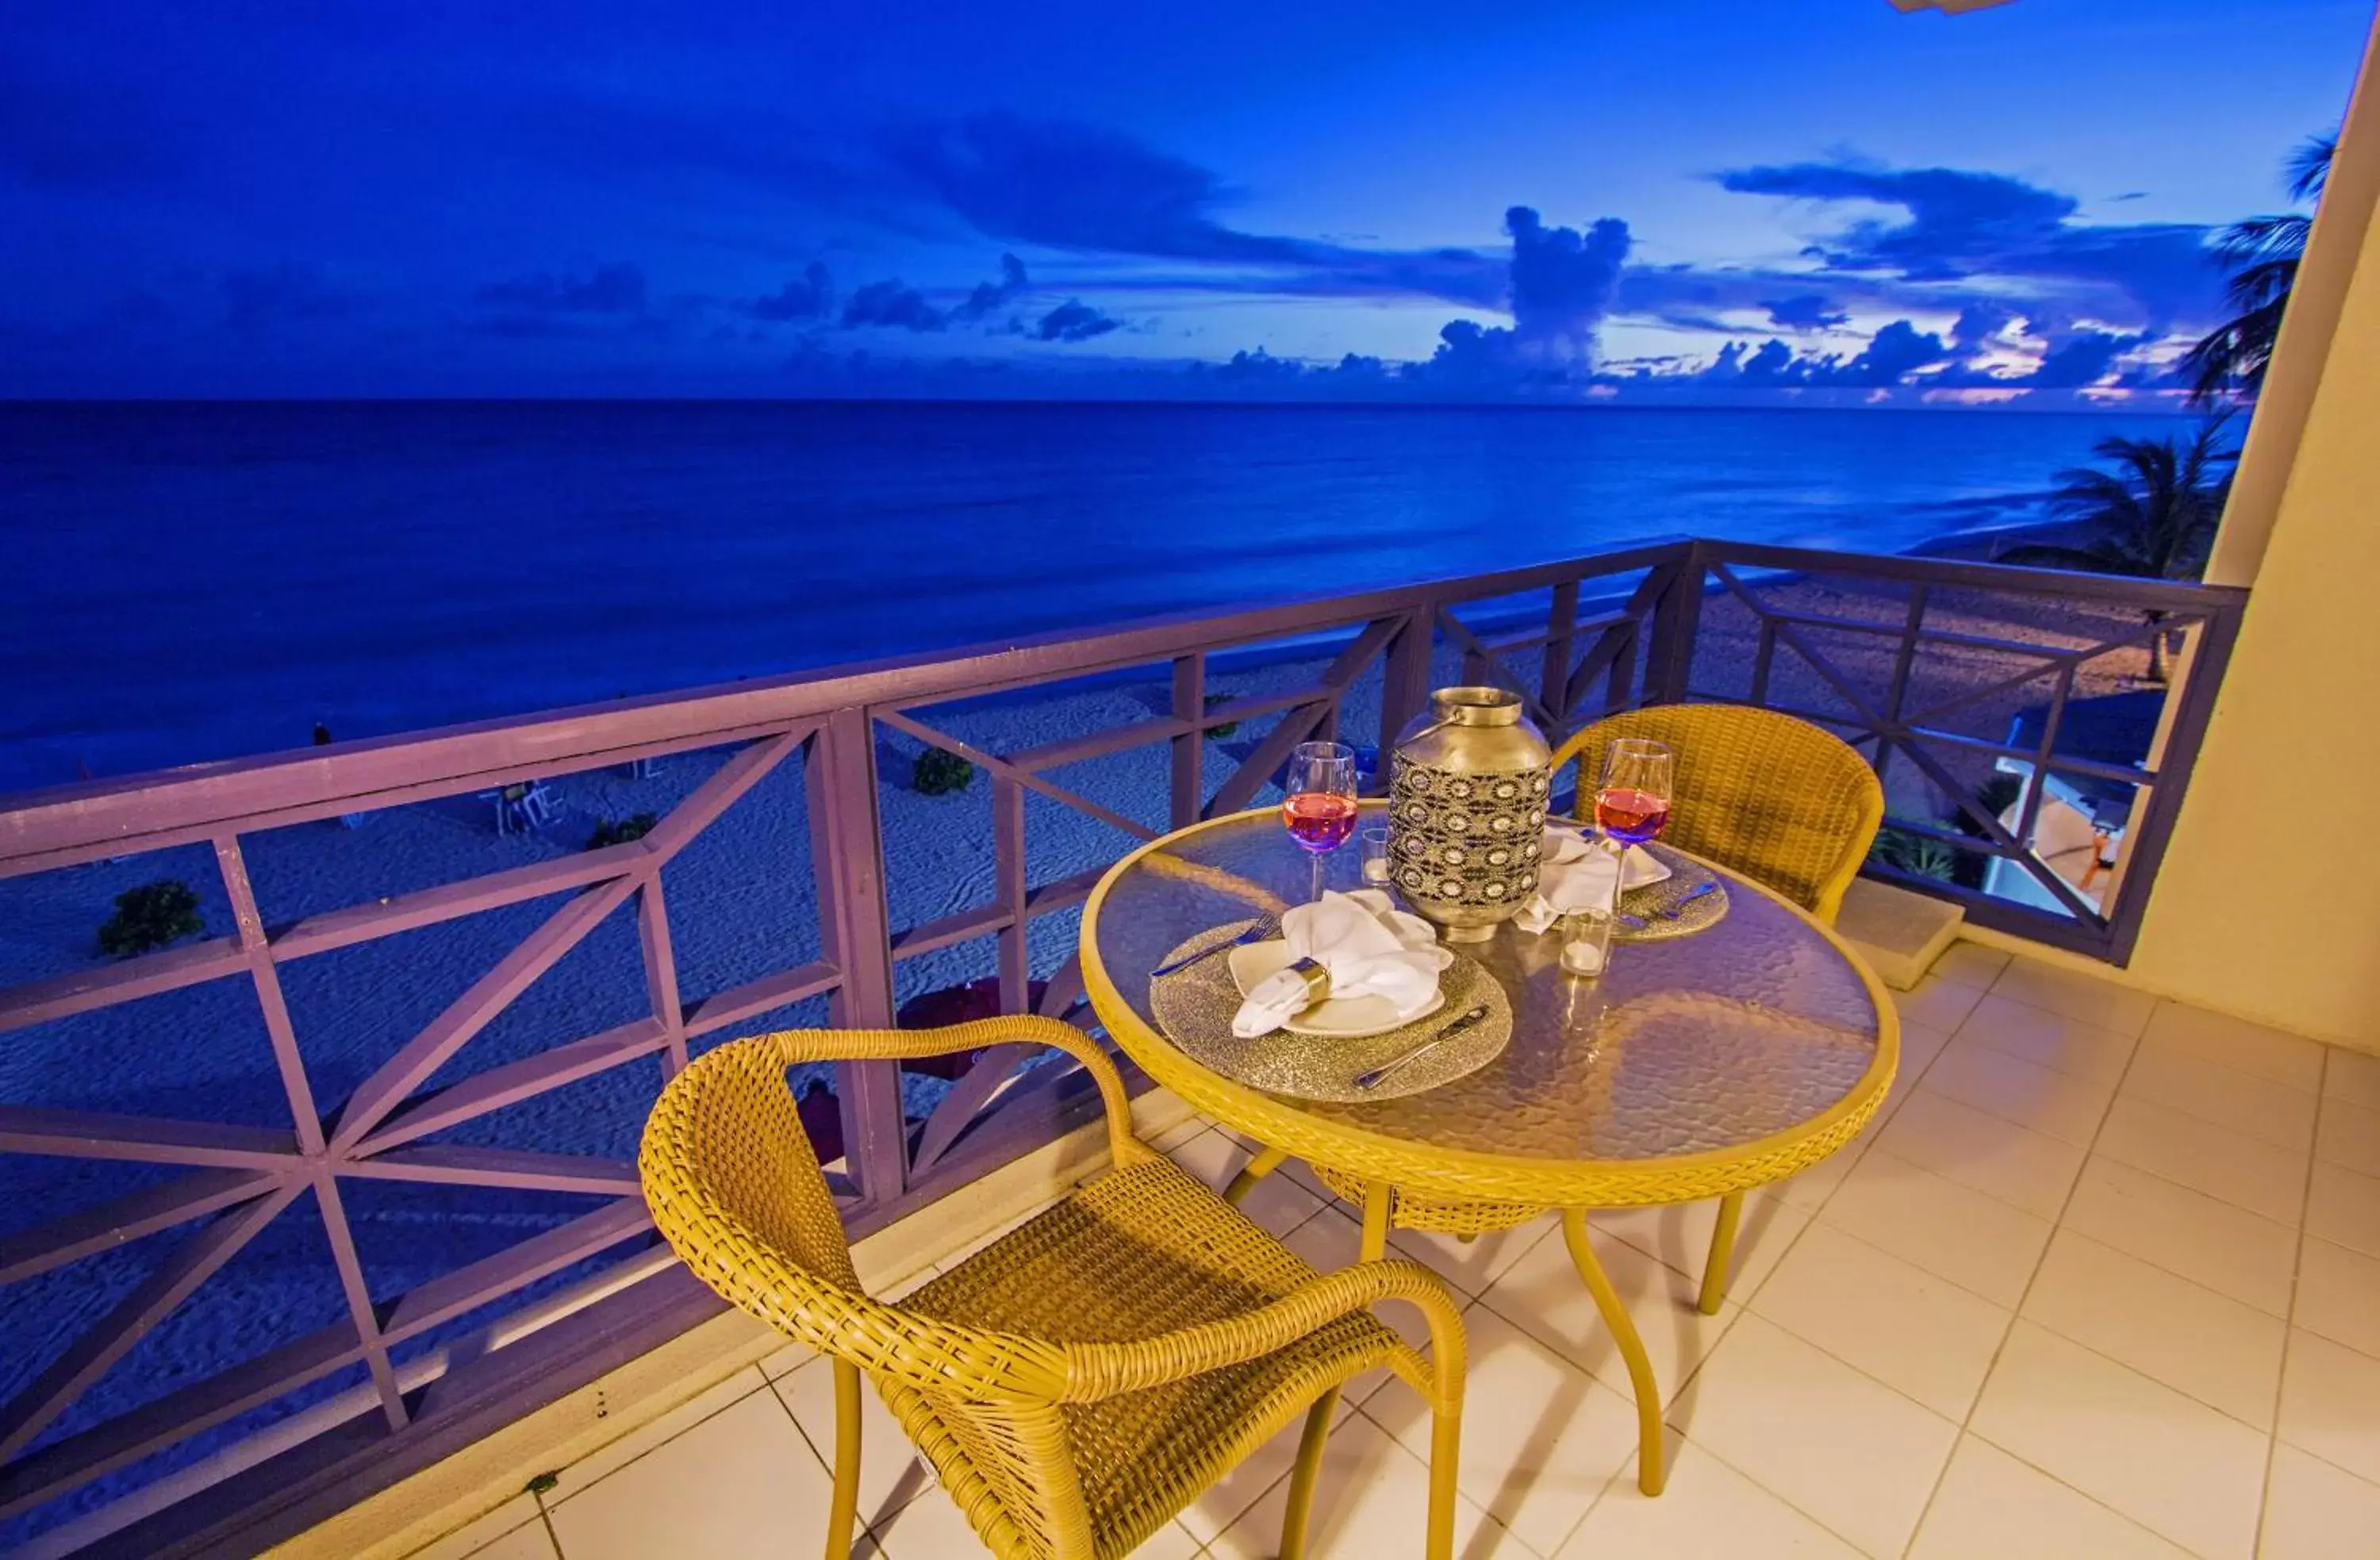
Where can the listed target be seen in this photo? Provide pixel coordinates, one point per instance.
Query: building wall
(2268, 903)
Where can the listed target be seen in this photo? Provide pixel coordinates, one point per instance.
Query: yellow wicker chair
(1081, 1380)
(1776, 798)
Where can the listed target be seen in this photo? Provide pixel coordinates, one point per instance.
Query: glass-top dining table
(1695, 1067)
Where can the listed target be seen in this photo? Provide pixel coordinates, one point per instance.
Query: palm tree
(2263, 254)
(2152, 518)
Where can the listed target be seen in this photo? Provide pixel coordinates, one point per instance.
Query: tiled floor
(2103, 1282)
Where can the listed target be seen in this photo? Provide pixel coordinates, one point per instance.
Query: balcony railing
(345, 1179)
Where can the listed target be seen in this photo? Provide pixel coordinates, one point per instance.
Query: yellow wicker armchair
(1774, 797)
(1081, 1380)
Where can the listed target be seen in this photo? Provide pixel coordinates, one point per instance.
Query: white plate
(1340, 1018)
(1645, 868)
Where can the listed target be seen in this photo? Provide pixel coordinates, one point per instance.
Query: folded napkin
(1575, 875)
(1367, 945)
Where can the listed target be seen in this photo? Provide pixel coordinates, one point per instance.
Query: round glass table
(1695, 1067)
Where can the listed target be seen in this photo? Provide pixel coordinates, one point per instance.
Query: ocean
(195, 581)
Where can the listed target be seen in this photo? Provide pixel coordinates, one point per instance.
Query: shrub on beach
(150, 917)
(620, 831)
(938, 774)
(1227, 728)
(1914, 854)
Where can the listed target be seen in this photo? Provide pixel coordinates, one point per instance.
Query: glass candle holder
(1375, 845)
(1586, 945)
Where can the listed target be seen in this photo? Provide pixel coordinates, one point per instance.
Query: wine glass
(1632, 805)
(1318, 799)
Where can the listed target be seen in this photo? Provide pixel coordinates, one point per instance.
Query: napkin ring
(1317, 979)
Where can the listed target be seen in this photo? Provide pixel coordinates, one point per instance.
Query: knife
(1684, 899)
(1372, 1079)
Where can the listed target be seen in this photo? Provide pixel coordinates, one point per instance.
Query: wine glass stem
(1316, 895)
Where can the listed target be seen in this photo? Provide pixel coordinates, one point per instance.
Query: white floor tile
(1371, 1499)
(1983, 1152)
(2057, 1104)
(1707, 1511)
(2217, 1349)
(2338, 1296)
(2076, 995)
(2352, 1076)
(2330, 1404)
(1993, 1507)
(1541, 1438)
(2173, 1465)
(2277, 1113)
(2344, 1207)
(1976, 1242)
(1179, 1133)
(2049, 1040)
(1544, 1296)
(637, 1441)
(1936, 1004)
(1471, 1267)
(788, 1360)
(892, 1473)
(1680, 1236)
(2349, 1135)
(2239, 1169)
(1852, 1453)
(2204, 1238)
(502, 1534)
(1922, 1334)
(1276, 1203)
(2314, 1511)
(1970, 964)
(742, 1485)
(2238, 1044)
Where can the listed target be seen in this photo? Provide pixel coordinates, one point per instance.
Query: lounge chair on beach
(521, 809)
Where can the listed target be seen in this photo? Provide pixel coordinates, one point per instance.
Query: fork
(1258, 930)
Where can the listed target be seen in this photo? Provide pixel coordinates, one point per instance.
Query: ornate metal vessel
(1467, 809)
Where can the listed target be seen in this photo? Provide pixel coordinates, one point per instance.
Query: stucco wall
(2268, 903)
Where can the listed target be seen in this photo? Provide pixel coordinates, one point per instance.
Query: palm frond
(2309, 167)
(2262, 237)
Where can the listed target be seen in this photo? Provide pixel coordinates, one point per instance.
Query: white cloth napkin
(1369, 947)
(1575, 875)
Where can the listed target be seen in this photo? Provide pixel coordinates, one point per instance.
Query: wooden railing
(402, 1373)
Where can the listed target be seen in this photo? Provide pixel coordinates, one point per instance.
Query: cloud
(1963, 226)
(989, 295)
(1074, 321)
(2082, 358)
(1806, 311)
(1562, 281)
(1063, 185)
(617, 288)
(892, 304)
(809, 295)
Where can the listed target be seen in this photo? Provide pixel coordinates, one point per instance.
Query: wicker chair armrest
(1099, 1370)
(1025, 1029)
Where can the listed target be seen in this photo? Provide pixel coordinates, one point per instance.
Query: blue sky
(1690, 199)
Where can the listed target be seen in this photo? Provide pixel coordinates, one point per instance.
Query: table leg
(1722, 1252)
(1375, 1222)
(1650, 1474)
(1266, 1161)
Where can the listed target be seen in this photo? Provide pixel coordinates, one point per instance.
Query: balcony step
(1900, 934)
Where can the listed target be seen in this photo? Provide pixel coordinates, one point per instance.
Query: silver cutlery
(1679, 907)
(1264, 926)
(1372, 1079)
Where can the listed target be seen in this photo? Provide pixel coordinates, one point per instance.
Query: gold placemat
(1665, 907)
(1193, 1008)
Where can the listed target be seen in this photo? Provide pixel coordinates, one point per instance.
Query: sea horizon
(202, 580)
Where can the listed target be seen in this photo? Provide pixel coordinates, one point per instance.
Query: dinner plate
(1644, 868)
(1342, 1017)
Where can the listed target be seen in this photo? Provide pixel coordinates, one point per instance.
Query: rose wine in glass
(1318, 801)
(1632, 805)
